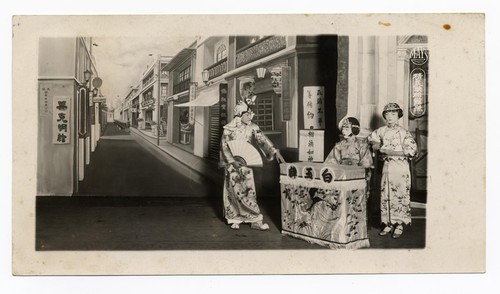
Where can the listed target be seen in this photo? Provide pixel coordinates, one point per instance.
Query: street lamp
(205, 76)
(261, 72)
(86, 75)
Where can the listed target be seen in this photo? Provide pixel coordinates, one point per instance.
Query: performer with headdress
(397, 147)
(351, 150)
(240, 199)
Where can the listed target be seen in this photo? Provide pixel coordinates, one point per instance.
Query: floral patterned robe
(240, 199)
(396, 181)
(351, 151)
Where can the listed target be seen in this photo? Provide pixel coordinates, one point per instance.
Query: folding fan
(244, 152)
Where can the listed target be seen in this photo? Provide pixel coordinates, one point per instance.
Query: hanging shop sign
(148, 103)
(276, 77)
(311, 145)
(314, 106)
(222, 106)
(286, 106)
(61, 120)
(419, 59)
(44, 100)
(192, 96)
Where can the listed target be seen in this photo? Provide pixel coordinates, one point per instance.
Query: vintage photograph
(232, 142)
(311, 148)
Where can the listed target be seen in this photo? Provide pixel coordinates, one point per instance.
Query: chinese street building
(68, 119)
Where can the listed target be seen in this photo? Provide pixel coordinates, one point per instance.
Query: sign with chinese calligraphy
(61, 122)
(419, 58)
(44, 100)
(286, 106)
(311, 145)
(222, 106)
(192, 96)
(314, 107)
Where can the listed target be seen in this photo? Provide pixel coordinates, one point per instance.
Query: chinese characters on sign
(417, 92)
(44, 103)
(222, 106)
(419, 59)
(285, 93)
(314, 107)
(311, 145)
(61, 120)
(192, 96)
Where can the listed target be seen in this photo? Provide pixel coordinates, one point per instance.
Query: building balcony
(260, 49)
(181, 87)
(217, 69)
(148, 80)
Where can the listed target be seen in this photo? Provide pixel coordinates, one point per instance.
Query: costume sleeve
(374, 137)
(409, 145)
(365, 155)
(264, 143)
(226, 155)
(334, 155)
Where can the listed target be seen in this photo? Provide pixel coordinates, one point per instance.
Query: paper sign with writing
(314, 107)
(192, 96)
(61, 122)
(311, 145)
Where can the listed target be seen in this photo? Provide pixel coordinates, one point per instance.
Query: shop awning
(206, 98)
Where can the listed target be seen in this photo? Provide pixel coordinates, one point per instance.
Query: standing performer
(397, 148)
(240, 199)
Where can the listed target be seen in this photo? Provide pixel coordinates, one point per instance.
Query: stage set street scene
(232, 142)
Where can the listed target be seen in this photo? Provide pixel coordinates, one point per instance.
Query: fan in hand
(244, 152)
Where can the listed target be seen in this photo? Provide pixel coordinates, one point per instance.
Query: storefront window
(264, 113)
(184, 127)
(185, 74)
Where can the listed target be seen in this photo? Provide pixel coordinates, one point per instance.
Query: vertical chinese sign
(419, 66)
(314, 107)
(222, 106)
(61, 121)
(286, 93)
(44, 103)
(311, 144)
(192, 96)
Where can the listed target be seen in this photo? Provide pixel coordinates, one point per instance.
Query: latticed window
(185, 74)
(264, 113)
(221, 53)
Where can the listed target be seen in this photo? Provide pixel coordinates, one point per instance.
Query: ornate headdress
(240, 108)
(392, 107)
(350, 122)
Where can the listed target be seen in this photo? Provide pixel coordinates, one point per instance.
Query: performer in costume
(351, 150)
(397, 147)
(240, 199)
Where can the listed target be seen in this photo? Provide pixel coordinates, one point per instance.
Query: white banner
(311, 145)
(61, 120)
(314, 107)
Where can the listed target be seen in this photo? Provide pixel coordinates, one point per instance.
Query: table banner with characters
(324, 204)
(311, 145)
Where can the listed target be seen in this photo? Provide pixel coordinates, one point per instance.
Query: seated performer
(351, 150)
